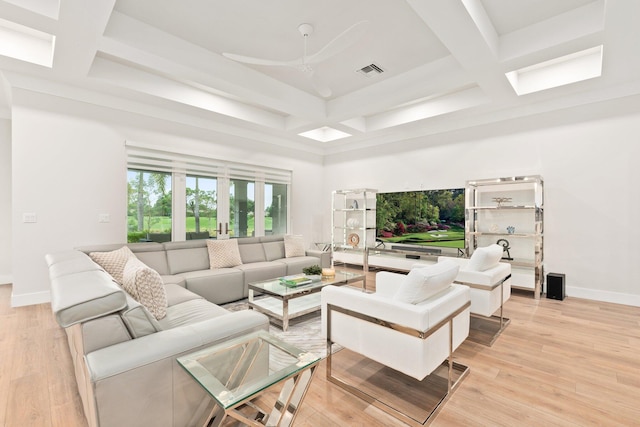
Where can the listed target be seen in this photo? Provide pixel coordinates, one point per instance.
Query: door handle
(219, 230)
(226, 228)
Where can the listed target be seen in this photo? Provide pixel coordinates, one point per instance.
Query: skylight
(324, 134)
(561, 71)
(26, 44)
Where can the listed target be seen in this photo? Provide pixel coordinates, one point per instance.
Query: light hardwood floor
(559, 363)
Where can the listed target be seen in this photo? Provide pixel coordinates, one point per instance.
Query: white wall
(591, 191)
(5, 201)
(69, 166)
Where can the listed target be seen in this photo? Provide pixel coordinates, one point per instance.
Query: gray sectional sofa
(124, 358)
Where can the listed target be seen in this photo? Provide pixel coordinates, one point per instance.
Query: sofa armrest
(130, 355)
(84, 296)
(324, 256)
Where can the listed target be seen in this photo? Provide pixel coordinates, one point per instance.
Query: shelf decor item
(511, 229)
(328, 272)
(502, 200)
(353, 222)
(505, 248)
(353, 239)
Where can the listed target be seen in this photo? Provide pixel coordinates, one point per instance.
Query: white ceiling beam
(139, 43)
(483, 23)
(28, 18)
(583, 23)
(445, 104)
(151, 84)
(452, 23)
(81, 24)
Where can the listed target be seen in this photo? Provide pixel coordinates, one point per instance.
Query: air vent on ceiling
(370, 70)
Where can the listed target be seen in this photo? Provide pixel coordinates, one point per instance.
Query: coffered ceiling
(438, 65)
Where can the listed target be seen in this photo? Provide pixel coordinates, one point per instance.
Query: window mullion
(179, 217)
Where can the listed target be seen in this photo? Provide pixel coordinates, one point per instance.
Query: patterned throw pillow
(293, 246)
(145, 285)
(113, 262)
(223, 253)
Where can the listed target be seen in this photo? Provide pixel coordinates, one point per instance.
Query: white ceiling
(444, 62)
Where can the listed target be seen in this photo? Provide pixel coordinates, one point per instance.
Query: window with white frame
(208, 198)
(149, 205)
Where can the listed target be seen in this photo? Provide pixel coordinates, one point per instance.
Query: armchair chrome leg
(485, 330)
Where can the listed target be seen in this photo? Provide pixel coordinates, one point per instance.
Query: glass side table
(238, 372)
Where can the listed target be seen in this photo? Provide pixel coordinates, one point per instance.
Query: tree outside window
(202, 207)
(149, 206)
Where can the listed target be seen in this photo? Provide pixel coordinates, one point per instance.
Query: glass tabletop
(234, 371)
(275, 286)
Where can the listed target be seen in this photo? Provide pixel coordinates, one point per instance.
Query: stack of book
(295, 280)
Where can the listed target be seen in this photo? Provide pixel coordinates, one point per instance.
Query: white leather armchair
(486, 298)
(414, 339)
(490, 283)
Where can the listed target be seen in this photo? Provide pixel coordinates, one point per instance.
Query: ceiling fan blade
(261, 61)
(339, 43)
(317, 83)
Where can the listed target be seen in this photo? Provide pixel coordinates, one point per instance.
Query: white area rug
(305, 334)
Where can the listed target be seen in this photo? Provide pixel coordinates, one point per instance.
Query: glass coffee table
(282, 303)
(241, 375)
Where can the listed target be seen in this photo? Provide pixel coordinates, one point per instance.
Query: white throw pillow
(145, 285)
(113, 262)
(223, 253)
(485, 258)
(423, 283)
(293, 246)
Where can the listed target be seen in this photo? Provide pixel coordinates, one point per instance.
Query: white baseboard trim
(30, 299)
(6, 279)
(605, 296)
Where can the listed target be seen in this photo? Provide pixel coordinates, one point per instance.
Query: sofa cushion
(174, 280)
(190, 312)
(293, 246)
(252, 252)
(103, 332)
(218, 286)
(187, 256)
(145, 285)
(258, 271)
(485, 258)
(296, 264)
(177, 294)
(154, 259)
(113, 262)
(138, 320)
(423, 283)
(274, 250)
(223, 253)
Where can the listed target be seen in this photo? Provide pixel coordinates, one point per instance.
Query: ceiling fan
(305, 62)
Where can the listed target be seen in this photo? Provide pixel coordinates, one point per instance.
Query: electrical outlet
(104, 218)
(29, 217)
